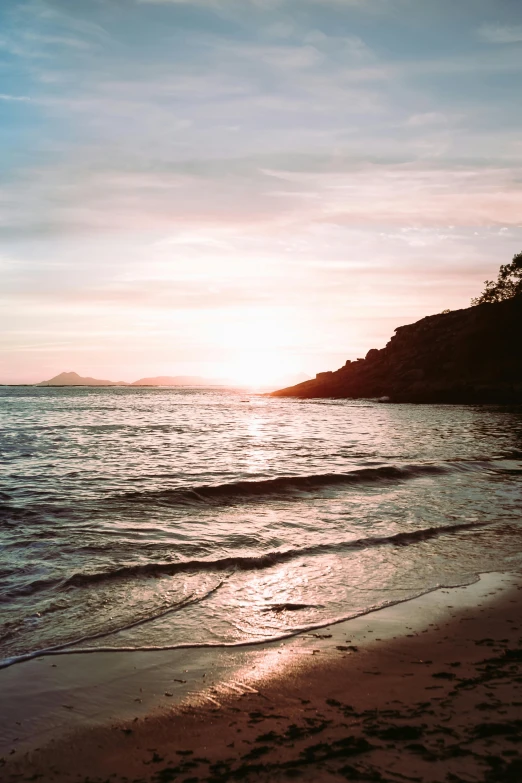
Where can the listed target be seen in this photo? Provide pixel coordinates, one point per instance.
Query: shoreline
(77, 704)
(75, 648)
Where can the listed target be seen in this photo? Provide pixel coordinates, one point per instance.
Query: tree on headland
(507, 286)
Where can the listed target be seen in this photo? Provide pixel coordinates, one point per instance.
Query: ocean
(138, 518)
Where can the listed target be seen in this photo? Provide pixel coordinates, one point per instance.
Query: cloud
(413, 195)
(500, 34)
(270, 5)
(427, 118)
(216, 156)
(272, 193)
(44, 13)
(222, 5)
(58, 40)
(281, 57)
(4, 97)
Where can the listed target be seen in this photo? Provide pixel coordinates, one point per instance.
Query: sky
(248, 188)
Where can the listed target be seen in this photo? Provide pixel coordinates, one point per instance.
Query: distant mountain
(73, 379)
(178, 380)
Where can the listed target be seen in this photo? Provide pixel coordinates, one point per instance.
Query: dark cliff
(465, 356)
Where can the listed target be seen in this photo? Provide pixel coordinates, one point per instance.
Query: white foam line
(66, 649)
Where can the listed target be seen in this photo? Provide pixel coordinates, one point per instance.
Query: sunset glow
(259, 370)
(240, 189)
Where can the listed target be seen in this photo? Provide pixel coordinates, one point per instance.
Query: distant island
(73, 379)
(179, 380)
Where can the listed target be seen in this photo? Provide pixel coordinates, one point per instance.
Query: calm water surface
(134, 518)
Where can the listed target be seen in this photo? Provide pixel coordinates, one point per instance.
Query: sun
(260, 346)
(259, 369)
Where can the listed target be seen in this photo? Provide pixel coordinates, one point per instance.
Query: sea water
(135, 518)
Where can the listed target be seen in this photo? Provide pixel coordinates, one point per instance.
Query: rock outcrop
(465, 356)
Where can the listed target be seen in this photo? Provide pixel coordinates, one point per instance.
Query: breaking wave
(280, 486)
(257, 562)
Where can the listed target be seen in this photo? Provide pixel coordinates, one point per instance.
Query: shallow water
(164, 517)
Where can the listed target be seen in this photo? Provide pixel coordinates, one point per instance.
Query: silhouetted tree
(508, 285)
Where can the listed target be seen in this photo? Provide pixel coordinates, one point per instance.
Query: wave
(35, 513)
(292, 486)
(235, 563)
(28, 588)
(512, 454)
(245, 490)
(280, 485)
(68, 649)
(11, 514)
(69, 646)
(258, 562)
(286, 487)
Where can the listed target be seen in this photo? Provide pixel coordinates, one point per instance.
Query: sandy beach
(428, 690)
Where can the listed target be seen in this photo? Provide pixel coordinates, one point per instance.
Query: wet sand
(429, 690)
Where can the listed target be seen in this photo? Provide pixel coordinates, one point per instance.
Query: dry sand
(427, 691)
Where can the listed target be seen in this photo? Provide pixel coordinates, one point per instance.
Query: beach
(426, 690)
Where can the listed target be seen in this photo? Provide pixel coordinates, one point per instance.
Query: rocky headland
(465, 356)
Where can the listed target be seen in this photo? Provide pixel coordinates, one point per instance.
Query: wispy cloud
(170, 167)
(4, 97)
(47, 13)
(500, 34)
(58, 40)
(427, 118)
